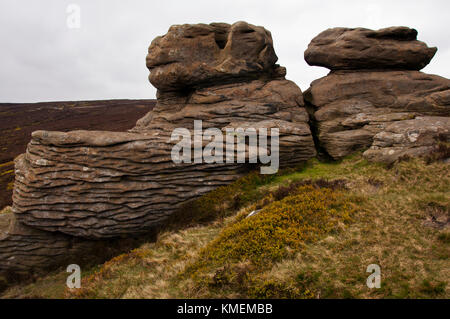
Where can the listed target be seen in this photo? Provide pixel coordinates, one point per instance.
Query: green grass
(285, 254)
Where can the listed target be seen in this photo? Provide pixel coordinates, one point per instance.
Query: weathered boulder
(349, 108)
(349, 105)
(193, 55)
(409, 138)
(18, 241)
(26, 251)
(354, 49)
(106, 185)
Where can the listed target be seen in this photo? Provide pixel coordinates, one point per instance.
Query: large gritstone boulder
(106, 185)
(354, 49)
(199, 54)
(373, 82)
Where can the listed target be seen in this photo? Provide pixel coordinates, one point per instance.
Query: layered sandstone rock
(353, 103)
(104, 185)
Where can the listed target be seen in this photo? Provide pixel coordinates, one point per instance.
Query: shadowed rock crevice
(221, 31)
(322, 153)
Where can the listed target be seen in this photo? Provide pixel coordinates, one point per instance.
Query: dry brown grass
(151, 270)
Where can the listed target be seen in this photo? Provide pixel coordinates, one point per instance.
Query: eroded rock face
(349, 108)
(359, 48)
(352, 104)
(411, 138)
(192, 55)
(26, 251)
(106, 185)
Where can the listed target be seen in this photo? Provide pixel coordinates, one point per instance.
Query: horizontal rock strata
(359, 48)
(84, 190)
(26, 251)
(410, 138)
(349, 108)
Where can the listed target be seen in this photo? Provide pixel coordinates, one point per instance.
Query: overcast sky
(42, 59)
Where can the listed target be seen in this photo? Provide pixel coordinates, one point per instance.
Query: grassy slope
(391, 227)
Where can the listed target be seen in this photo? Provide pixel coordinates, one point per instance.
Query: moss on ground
(278, 231)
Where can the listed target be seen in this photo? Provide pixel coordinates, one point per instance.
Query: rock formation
(409, 138)
(88, 185)
(190, 56)
(81, 191)
(374, 85)
(357, 49)
(25, 250)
